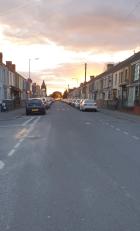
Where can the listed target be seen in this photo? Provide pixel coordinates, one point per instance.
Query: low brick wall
(136, 110)
(109, 104)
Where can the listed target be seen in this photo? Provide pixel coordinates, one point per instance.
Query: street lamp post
(29, 78)
(30, 66)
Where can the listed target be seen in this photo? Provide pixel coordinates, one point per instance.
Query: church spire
(43, 86)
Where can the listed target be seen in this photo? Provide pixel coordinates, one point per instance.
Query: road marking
(118, 129)
(21, 133)
(24, 136)
(11, 152)
(135, 137)
(28, 121)
(112, 126)
(87, 123)
(21, 140)
(2, 164)
(17, 145)
(126, 133)
(106, 123)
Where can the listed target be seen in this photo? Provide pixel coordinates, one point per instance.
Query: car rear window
(89, 101)
(34, 102)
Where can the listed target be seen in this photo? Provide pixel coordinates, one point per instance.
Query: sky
(60, 36)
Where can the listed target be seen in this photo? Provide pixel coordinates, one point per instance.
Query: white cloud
(65, 33)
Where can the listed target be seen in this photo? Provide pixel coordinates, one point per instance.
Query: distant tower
(43, 88)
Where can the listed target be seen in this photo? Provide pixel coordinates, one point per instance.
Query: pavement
(120, 114)
(70, 171)
(12, 114)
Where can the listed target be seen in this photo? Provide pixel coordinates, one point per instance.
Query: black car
(35, 106)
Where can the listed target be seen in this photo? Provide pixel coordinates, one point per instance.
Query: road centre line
(12, 151)
(17, 145)
(28, 121)
(21, 140)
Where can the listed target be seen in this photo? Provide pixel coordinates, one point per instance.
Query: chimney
(1, 57)
(13, 68)
(109, 66)
(92, 77)
(9, 65)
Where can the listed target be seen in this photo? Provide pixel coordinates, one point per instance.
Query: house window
(137, 72)
(115, 79)
(121, 77)
(109, 95)
(137, 93)
(126, 74)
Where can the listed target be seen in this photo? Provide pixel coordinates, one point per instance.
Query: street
(70, 171)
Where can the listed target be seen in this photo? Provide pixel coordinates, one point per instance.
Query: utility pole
(85, 80)
(85, 72)
(29, 67)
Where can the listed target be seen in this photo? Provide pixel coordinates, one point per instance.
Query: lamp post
(30, 66)
(29, 81)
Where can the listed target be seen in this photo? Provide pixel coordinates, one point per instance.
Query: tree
(65, 94)
(56, 95)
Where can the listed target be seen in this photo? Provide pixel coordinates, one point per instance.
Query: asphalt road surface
(70, 171)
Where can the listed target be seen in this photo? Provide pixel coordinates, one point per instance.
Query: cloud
(77, 25)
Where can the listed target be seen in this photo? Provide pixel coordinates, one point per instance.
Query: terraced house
(4, 80)
(134, 85)
(120, 81)
(126, 77)
(12, 84)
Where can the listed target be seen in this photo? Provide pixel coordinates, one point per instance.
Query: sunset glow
(65, 36)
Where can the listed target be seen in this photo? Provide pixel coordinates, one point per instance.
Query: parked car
(35, 106)
(88, 105)
(77, 103)
(81, 100)
(73, 102)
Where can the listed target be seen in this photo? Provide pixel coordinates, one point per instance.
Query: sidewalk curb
(121, 114)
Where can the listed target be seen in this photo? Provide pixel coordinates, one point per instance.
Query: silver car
(88, 105)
